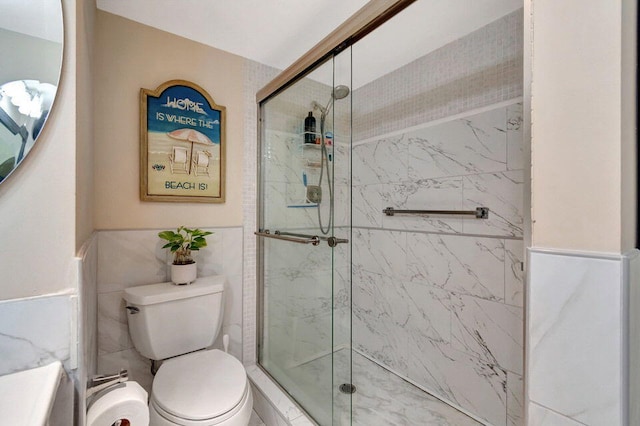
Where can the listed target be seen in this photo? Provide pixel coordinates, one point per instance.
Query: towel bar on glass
(478, 213)
(301, 238)
(315, 240)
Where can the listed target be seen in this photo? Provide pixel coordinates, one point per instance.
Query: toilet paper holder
(102, 382)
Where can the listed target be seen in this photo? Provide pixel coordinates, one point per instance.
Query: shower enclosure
(390, 253)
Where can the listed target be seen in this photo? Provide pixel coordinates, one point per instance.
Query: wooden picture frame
(182, 144)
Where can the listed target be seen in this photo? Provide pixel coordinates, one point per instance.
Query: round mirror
(31, 38)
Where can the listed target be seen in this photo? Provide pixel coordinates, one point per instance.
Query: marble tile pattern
(514, 272)
(302, 284)
(491, 331)
(136, 257)
(381, 398)
(459, 165)
(515, 138)
(384, 398)
(439, 299)
(515, 400)
(34, 332)
(472, 145)
(576, 325)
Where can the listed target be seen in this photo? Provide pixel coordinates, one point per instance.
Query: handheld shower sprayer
(338, 92)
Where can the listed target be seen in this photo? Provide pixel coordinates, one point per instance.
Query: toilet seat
(238, 416)
(200, 387)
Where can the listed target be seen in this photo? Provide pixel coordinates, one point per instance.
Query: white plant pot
(184, 274)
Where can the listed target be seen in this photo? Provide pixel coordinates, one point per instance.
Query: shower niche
(419, 317)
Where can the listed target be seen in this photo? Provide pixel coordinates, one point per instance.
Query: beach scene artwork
(184, 139)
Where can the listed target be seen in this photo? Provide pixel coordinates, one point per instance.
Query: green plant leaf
(184, 239)
(167, 235)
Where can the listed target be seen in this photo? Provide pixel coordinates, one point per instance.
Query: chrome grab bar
(305, 239)
(478, 213)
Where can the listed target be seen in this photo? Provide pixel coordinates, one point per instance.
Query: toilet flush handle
(133, 310)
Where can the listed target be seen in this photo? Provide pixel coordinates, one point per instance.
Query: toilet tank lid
(165, 292)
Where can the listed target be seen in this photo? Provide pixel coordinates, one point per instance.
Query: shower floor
(381, 397)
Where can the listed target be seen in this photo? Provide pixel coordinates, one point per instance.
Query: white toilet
(195, 386)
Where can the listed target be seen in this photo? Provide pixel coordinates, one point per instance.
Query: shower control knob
(314, 194)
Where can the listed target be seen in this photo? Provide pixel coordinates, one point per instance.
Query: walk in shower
(390, 231)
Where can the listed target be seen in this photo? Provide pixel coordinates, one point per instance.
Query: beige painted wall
(130, 56)
(577, 128)
(37, 202)
(629, 123)
(86, 11)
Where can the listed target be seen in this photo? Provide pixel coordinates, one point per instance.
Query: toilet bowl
(203, 388)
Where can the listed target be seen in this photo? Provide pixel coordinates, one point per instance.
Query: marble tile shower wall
(135, 257)
(299, 285)
(478, 70)
(439, 300)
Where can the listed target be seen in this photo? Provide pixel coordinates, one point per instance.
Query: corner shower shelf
(310, 145)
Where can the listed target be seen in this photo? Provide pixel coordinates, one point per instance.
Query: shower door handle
(313, 240)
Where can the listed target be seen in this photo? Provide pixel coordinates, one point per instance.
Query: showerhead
(339, 92)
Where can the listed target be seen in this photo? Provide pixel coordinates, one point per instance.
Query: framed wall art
(182, 144)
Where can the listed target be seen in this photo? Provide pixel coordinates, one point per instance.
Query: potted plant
(182, 243)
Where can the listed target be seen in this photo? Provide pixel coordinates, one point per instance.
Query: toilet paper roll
(124, 405)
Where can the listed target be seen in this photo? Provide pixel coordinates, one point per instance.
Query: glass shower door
(304, 225)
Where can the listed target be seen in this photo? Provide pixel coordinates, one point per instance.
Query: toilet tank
(166, 320)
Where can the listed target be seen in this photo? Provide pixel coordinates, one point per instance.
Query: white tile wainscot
(128, 258)
(34, 332)
(578, 322)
